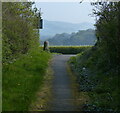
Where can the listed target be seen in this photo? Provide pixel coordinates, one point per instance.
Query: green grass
(96, 77)
(68, 49)
(22, 79)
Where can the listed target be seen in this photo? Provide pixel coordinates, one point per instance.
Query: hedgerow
(68, 49)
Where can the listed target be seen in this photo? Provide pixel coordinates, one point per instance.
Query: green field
(68, 49)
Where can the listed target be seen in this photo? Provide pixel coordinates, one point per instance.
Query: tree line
(82, 37)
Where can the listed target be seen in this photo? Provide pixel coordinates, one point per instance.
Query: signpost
(40, 21)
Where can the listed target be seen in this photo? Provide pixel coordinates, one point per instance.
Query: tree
(108, 30)
(19, 23)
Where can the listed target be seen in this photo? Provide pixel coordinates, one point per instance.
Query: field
(68, 49)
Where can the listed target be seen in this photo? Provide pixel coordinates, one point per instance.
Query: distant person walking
(46, 46)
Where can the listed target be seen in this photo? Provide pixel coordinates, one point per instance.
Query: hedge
(68, 49)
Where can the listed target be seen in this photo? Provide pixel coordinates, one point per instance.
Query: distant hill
(50, 28)
(82, 37)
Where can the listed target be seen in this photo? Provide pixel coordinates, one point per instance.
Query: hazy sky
(72, 12)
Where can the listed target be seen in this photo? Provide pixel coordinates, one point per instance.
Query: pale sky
(72, 12)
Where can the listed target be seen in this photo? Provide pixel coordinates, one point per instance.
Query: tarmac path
(62, 92)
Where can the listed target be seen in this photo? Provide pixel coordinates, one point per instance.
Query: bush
(19, 34)
(96, 77)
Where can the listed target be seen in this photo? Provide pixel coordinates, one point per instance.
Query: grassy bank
(44, 93)
(68, 49)
(22, 79)
(98, 79)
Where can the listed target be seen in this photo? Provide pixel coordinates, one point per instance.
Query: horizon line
(68, 22)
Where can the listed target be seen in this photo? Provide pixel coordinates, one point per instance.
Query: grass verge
(22, 79)
(80, 98)
(44, 94)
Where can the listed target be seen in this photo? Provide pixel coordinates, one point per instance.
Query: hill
(82, 37)
(50, 28)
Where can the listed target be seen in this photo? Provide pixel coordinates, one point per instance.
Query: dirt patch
(44, 95)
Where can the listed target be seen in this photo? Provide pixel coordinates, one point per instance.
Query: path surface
(62, 92)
